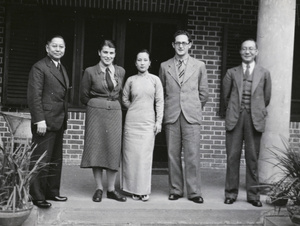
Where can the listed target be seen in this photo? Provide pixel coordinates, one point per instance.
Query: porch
(78, 185)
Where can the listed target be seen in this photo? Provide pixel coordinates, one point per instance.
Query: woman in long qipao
(143, 96)
(101, 88)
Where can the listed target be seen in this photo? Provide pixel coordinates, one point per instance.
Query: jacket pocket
(47, 107)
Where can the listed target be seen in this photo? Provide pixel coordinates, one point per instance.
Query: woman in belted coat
(100, 92)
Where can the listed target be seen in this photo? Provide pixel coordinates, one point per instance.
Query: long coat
(260, 96)
(47, 94)
(190, 96)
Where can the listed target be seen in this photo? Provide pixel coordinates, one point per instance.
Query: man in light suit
(185, 86)
(47, 101)
(246, 93)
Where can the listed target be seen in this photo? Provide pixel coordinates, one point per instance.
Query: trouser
(46, 183)
(243, 131)
(181, 136)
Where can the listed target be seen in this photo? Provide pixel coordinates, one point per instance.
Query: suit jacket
(47, 94)
(94, 86)
(189, 97)
(260, 96)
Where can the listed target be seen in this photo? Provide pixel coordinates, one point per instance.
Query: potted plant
(277, 193)
(288, 187)
(15, 175)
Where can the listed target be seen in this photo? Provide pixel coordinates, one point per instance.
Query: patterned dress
(143, 96)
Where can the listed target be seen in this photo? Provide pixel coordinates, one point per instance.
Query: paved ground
(78, 185)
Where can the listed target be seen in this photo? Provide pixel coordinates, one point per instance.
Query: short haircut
(106, 42)
(182, 32)
(54, 36)
(249, 39)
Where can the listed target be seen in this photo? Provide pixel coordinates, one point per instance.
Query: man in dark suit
(246, 93)
(185, 86)
(47, 101)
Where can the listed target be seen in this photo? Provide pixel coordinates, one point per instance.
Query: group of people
(176, 98)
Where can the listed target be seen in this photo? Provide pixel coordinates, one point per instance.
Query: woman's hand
(157, 128)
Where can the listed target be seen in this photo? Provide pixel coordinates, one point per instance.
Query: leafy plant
(15, 176)
(288, 187)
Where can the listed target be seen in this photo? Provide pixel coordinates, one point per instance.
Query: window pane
(21, 53)
(137, 38)
(96, 29)
(162, 49)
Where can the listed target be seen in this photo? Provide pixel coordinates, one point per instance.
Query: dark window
(28, 28)
(156, 37)
(21, 42)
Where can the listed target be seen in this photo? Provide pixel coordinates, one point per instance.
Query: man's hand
(41, 128)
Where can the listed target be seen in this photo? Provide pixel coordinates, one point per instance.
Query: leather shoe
(58, 198)
(198, 199)
(256, 203)
(174, 197)
(97, 197)
(41, 203)
(229, 200)
(116, 196)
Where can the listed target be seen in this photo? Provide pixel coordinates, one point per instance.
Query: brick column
(275, 38)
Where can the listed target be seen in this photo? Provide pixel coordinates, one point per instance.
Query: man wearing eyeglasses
(246, 93)
(185, 86)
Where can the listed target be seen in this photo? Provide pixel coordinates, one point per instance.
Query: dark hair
(249, 39)
(143, 51)
(108, 43)
(182, 32)
(54, 36)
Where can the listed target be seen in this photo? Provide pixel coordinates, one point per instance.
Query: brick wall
(205, 23)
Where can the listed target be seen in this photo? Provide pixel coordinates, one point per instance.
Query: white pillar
(275, 39)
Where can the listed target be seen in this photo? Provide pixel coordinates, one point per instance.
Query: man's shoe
(116, 196)
(41, 203)
(198, 199)
(174, 197)
(97, 197)
(256, 203)
(58, 198)
(229, 200)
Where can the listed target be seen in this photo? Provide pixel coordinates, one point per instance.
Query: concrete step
(154, 216)
(78, 185)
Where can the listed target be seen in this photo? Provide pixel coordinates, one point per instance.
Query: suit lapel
(117, 76)
(172, 70)
(189, 69)
(239, 80)
(255, 79)
(56, 73)
(66, 79)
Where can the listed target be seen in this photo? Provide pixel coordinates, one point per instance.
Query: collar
(54, 61)
(103, 68)
(185, 59)
(252, 65)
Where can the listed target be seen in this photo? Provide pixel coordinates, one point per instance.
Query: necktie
(108, 80)
(58, 66)
(180, 66)
(247, 72)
